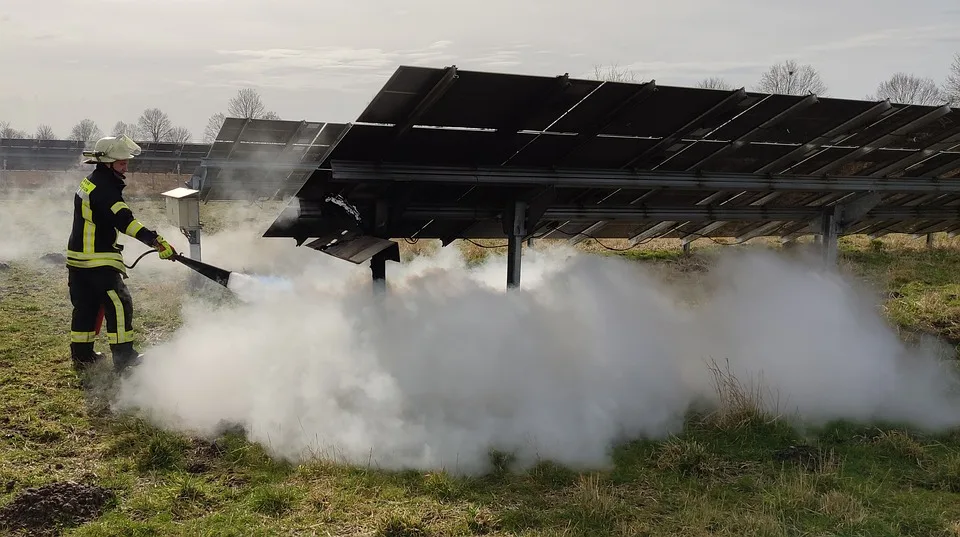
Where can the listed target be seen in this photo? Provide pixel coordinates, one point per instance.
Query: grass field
(737, 473)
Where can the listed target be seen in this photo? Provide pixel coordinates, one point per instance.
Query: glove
(162, 246)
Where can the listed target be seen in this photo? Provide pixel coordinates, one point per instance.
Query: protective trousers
(90, 290)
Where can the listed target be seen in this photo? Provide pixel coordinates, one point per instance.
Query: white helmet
(112, 149)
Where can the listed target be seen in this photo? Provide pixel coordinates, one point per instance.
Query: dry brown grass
(739, 401)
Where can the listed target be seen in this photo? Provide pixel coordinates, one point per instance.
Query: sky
(108, 60)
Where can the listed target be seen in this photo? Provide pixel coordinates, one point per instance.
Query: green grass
(923, 288)
(737, 473)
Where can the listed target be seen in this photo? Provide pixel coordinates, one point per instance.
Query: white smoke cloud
(448, 365)
(590, 351)
(36, 221)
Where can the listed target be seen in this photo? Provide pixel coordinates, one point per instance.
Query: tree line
(787, 78)
(790, 77)
(153, 125)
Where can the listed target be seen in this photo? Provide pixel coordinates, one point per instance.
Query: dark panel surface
(479, 100)
(400, 95)
(605, 126)
(808, 123)
(899, 116)
(608, 97)
(668, 109)
(746, 159)
(258, 144)
(765, 109)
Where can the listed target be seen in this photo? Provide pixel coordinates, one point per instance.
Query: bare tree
(179, 135)
(909, 89)
(154, 125)
(213, 127)
(715, 82)
(247, 104)
(791, 78)
(86, 131)
(121, 127)
(45, 132)
(7, 131)
(613, 73)
(951, 88)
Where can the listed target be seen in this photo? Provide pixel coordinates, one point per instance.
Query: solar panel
(28, 154)
(59, 155)
(255, 159)
(166, 157)
(446, 153)
(945, 164)
(474, 99)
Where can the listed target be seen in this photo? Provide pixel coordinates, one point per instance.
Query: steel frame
(867, 194)
(889, 192)
(630, 179)
(629, 213)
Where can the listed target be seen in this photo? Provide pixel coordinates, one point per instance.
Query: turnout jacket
(99, 212)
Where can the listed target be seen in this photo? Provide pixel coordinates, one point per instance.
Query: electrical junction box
(183, 207)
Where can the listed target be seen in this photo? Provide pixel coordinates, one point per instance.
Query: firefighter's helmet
(111, 149)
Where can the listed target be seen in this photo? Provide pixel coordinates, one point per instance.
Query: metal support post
(514, 251)
(828, 234)
(515, 243)
(929, 241)
(193, 238)
(686, 248)
(378, 269)
(196, 180)
(196, 281)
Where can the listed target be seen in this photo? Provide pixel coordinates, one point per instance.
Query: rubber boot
(83, 356)
(125, 357)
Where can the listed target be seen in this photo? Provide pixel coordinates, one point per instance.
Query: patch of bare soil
(48, 510)
(806, 457)
(203, 455)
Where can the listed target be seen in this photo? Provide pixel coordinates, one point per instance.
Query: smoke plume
(36, 217)
(447, 365)
(590, 351)
(36, 221)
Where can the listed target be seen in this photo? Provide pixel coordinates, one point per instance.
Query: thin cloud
(686, 70)
(496, 58)
(900, 37)
(330, 67)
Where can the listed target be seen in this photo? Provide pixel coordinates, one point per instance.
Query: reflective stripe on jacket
(99, 212)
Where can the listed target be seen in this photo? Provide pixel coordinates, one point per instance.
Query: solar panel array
(59, 155)
(478, 125)
(444, 153)
(264, 159)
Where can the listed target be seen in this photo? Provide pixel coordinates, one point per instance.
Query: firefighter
(95, 269)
